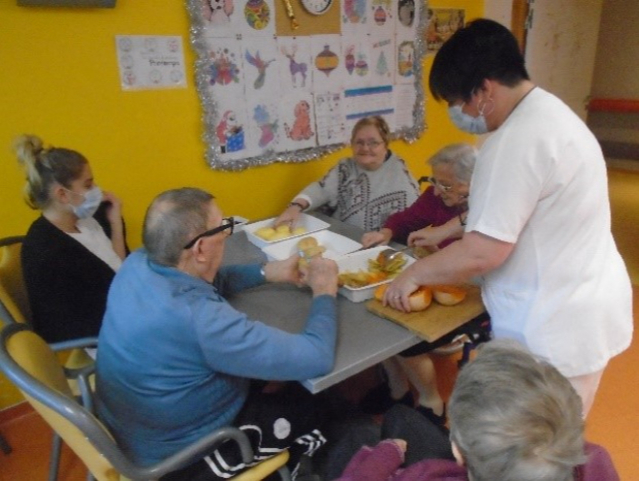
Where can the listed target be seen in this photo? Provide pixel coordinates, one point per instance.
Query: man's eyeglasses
(436, 183)
(371, 144)
(227, 223)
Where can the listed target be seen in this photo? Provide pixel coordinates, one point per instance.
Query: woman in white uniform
(538, 228)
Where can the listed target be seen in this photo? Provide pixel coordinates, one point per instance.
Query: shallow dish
(359, 261)
(336, 246)
(310, 223)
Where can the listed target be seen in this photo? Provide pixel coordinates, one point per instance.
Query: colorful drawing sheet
(442, 23)
(261, 67)
(328, 63)
(228, 18)
(297, 114)
(263, 124)
(383, 17)
(295, 63)
(356, 51)
(150, 61)
(382, 59)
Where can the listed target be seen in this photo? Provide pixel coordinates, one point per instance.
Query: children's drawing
(326, 61)
(381, 68)
(361, 65)
(302, 125)
(230, 133)
(349, 59)
(257, 14)
(381, 11)
(224, 67)
(406, 12)
(217, 12)
(295, 67)
(267, 126)
(405, 58)
(260, 65)
(354, 11)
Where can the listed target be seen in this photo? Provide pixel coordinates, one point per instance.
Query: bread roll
(449, 295)
(314, 251)
(418, 300)
(307, 242)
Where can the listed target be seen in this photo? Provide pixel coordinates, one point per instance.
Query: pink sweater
(382, 463)
(427, 210)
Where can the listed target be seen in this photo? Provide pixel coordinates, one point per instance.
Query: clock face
(317, 7)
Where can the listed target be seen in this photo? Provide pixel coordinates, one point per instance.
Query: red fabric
(427, 210)
(382, 463)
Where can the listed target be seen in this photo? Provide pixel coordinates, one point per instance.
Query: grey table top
(363, 339)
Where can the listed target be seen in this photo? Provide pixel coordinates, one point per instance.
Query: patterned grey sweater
(360, 197)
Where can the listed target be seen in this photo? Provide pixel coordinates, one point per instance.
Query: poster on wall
(272, 94)
(442, 23)
(150, 62)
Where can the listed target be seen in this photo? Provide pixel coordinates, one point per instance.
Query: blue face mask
(92, 200)
(467, 123)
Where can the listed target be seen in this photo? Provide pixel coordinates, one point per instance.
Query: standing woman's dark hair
(483, 49)
(72, 251)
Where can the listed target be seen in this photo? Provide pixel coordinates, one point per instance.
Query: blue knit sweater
(174, 355)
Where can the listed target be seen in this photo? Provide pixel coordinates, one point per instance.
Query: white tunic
(540, 183)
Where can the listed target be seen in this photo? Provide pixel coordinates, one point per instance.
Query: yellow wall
(59, 80)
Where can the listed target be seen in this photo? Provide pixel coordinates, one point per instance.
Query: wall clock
(317, 7)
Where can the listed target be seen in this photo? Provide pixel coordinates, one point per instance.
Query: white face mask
(467, 123)
(92, 200)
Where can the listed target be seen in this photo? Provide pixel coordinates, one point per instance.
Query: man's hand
(321, 276)
(284, 271)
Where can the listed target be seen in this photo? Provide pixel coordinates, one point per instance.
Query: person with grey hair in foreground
(513, 417)
(177, 361)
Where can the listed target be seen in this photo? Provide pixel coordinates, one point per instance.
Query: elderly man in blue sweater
(176, 359)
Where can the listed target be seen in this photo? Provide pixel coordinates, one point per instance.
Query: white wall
(616, 76)
(616, 72)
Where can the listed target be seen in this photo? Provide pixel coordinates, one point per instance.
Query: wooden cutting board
(435, 321)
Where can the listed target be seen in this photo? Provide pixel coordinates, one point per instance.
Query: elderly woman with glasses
(362, 190)
(437, 218)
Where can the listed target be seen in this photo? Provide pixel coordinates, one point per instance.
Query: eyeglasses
(436, 183)
(371, 144)
(227, 223)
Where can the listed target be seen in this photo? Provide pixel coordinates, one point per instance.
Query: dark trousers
(288, 418)
(424, 439)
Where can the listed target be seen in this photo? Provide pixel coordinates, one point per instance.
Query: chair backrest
(28, 361)
(31, 365)
(13, 292)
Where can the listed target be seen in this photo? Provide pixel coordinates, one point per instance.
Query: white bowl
(359, 261)
(336, 246)
(310, 223)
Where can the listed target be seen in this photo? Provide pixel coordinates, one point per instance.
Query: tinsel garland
(210, 115)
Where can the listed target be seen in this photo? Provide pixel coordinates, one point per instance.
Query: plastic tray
(310, 223)
(359, 260)
(336, 246)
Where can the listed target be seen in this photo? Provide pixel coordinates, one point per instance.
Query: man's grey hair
(172, 220)
(516, 418)
(461, 157)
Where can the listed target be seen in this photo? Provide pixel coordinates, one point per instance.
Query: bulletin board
(279, 84)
